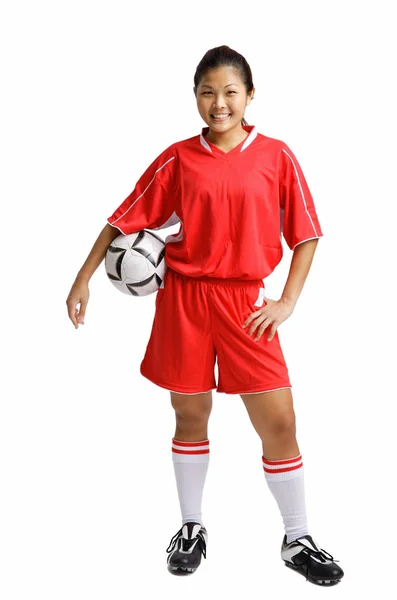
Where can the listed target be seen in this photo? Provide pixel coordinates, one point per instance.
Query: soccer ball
(135, 263)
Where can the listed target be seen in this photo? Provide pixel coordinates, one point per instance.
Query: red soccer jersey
(233, 207)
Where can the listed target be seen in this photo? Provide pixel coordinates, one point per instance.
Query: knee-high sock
(285, 478)
(190, 461)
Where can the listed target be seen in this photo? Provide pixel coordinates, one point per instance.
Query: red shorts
(199, 320)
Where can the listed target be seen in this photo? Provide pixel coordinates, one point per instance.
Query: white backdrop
(92, 93)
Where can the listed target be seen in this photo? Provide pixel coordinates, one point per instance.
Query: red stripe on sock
(287, 461)
(205, 443)
(190, 451)
(282, 470)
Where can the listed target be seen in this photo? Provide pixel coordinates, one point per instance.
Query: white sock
(191, 461)
(285, 479)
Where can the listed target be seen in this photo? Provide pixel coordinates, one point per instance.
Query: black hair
(223, 56)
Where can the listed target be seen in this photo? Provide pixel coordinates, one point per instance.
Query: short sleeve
(151, 204)
(298, 217)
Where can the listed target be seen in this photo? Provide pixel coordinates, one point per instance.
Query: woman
(234, 191)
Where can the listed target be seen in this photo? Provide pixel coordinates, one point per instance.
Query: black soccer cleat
(186, 548)
(306, 557)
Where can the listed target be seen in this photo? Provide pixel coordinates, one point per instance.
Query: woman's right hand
(78, 294)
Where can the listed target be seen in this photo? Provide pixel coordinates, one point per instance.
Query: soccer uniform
(233, 207)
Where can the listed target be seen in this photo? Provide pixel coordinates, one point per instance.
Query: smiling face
(222, 98)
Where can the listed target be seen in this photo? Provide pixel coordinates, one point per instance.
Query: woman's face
(222, 92)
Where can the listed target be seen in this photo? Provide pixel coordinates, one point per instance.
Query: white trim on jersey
(303, 196)
(249, 139)
(154, 176)
(204, 142)
(116, 227)
(173, 220)
(312, 238)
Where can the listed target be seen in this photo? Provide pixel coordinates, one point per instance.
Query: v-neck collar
(251, 129)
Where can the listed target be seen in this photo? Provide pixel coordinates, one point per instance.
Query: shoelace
(178, 534)
(322, 556)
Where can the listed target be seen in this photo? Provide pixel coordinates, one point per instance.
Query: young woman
(234, 191)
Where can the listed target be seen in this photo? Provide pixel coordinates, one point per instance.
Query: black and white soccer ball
(135, 263)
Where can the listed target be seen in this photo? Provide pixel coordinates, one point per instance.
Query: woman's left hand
(274, 313)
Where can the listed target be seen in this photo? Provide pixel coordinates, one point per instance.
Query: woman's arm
(98, 252)
(300, 265)
(79, 293)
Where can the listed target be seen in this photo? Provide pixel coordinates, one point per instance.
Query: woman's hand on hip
(274, 313)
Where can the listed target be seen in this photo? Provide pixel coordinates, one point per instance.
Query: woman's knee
(271, 413)
(192, 407)
(282, 423)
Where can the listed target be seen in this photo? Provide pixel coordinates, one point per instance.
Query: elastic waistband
(217, 280)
